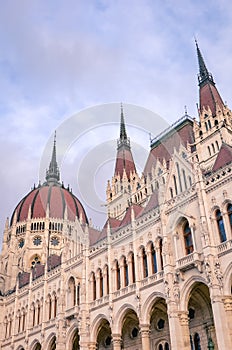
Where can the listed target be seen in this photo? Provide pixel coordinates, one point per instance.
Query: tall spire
(124, 160)
(123, 135)
(204, 75)
(123, 140)
(53, 174)
(210, 98)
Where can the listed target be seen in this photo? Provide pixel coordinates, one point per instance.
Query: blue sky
(58, 58)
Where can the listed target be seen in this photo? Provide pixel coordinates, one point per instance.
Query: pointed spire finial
(123, 135)
(204, 75)
(123, 140)
(53, 174)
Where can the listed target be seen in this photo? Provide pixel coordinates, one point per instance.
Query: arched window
(213, 148)
(55, 305)
(33, 315)
(184, 177)
(153, 259)
(78, 293)
(209, 124)
(132, 265)
(71, 292)
(209, 150)
(100, 283)
(166, 346)
(179, 177)
(188, 242)
(160, 347)
(118, 277)
(24, 319)
(38, 314)
(217, 145)
(94, 290)
(125, 270)
(175, 184)
(19, 323)
(171, 192)
(49, 307)
(144, 263)
(197, 342)
(161, 254)
(106, 276)
(220, 225)
(229, 212)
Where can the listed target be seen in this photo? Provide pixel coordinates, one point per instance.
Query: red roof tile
(224, 156)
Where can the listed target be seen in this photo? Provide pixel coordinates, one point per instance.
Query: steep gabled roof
(162, 147)
(224, 156)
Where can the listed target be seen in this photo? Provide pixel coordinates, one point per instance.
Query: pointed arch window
(229, 212)
(126, 274)
(220, 225)
(106, 276)
(179, 177)
(100, 283)
(144, 263)
(49, 307)
(118, 277)
(175, 184)
(184, 177)
(197, 342)
(161, 254)
(153, 259)
(94, 290)
(132, 265)
(188, 242)
(55, 305)
(33, 315)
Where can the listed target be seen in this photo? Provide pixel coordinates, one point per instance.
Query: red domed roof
(54, 197)
(50, 196)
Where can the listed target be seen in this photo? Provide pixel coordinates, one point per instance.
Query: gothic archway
(131, 337)
(52, 345)
(159, 326)
(201, 323)
(104, 336)
(76, 341)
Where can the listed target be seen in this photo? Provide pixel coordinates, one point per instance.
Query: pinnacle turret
(210, 99)
(124, 161)
(204, 75)
(53, 174)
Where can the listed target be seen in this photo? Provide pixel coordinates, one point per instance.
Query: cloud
(57, 58)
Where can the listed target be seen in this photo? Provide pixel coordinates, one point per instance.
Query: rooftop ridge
(169, 128)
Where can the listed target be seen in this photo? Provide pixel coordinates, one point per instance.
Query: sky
(67, 66)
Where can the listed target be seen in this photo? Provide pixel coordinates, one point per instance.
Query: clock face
(21, 243)
(54, 241)
(37, 241)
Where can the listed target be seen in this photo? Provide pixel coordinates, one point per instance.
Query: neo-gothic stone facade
(157, 276)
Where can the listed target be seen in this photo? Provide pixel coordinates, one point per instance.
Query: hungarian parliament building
(157, 276)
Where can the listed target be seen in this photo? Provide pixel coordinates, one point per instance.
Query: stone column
(177, 332)
(158, 259)
(97, 285)
(105, 282)
(149, 262)
(117, 341)
(122, 273)
(192, 228)
(228, 309)
(145, 336)
(224, 340)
